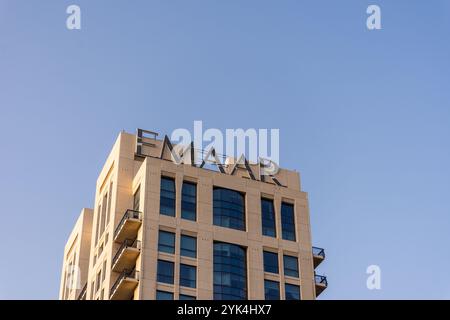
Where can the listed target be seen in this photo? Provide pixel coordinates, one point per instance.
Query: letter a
(73, 21)
(374, 20)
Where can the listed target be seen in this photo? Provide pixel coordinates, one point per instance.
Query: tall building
(162, 230)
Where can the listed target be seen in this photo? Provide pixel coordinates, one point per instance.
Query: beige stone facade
(121, 259)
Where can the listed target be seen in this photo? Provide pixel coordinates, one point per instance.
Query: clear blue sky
(363, 115)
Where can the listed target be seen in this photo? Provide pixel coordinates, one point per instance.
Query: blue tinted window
(189, 201)
(230, 272)
(166, 242)
(186, 297)
(288, 221)
(268, 218)
(229, 209)
(164, 295)
(290, 266)
(292, 292)
(137, 199)
(188, 276)
(270, 262)
(188, 246)
(167, 198)
(271, 290)
(165, 271)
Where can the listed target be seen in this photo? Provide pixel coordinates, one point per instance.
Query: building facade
(162, 230)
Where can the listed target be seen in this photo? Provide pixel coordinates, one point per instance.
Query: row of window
(188, 244)
(290, 264)
(229, 273)
(165, 269)
(272, 291)
(164, 295)
(188, 274)
(228, 208)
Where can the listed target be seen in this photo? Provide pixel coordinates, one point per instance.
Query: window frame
(264, 226)
(268, 266)
(185, 212)
(222, 206)
(184, 250)
(163, 265)
(288, 225)
(188, 282)
(171, 248)
(162, 196)
(287, 271)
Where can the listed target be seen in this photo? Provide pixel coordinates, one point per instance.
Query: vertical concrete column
(205, 238)
(149, 251)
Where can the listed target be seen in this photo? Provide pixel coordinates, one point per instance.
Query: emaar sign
(246, 150)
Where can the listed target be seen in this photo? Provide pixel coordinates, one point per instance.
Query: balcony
(82, 295)
(123, 288)
(126, 256)
(321, 284)
(128, 226)
(318, 256)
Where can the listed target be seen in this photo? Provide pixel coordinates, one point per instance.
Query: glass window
(230, 272)
(268, 218)
(290, 266)
(167, 198)
(229, 209)
(271, 290)
(165, 271)
(186, 297)
(137, 199)
(188, 246)
(189, 201)
(292, 292)
(164, 295)
(188, 276)
(288, 221)
(166, 242)
(270, 262)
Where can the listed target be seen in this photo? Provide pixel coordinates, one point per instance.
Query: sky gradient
(363, 115)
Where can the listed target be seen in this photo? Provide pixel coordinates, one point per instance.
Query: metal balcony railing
(128, 243)
(133, 274)
(318, 252)
(129, 214)
(82, 295)
(321, 280)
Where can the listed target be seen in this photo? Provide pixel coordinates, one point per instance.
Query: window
(268, 218)
(165, 271)
(270, 262)
(186, 297)
(167, 199)
(271, 290)
(189, 201)
(188, 246)
(137, 199)
(290, 266)
(288, 221)
(104, 271)
(166, 242)
(292, 292)
(108, 215)
(97, 281)
(164, 295)
(188, 276)
(97, 226)
(230, 272)
(103, 217)
(229, 209)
